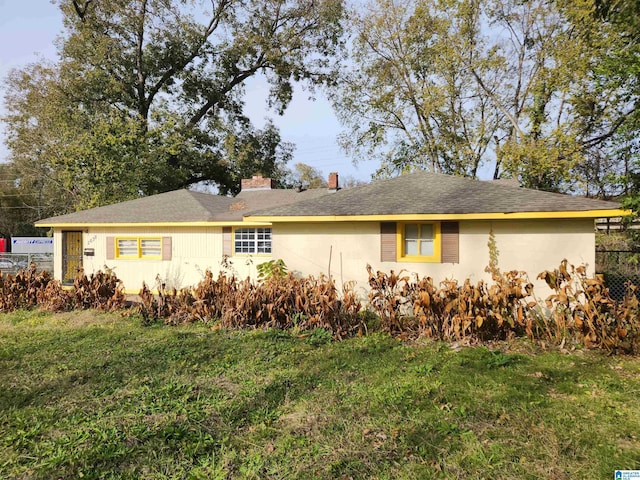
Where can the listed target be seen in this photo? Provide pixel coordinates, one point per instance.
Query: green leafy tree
(147, 95)
(540, 91)
(623, 67)
(306, 176)
(409, 96)
(18, 210)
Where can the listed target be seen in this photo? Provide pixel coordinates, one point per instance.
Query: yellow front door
(71, 255)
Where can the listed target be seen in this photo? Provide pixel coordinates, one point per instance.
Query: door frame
(71, 260)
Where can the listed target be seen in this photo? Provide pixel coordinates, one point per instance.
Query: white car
(6, 264)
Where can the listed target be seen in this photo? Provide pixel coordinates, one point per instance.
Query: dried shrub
(581, 309)
(147, 306)
(278, 301)
(210, 294)
(410, 305)
(22, 291)
(291, 303)
(168, 305)
(55, 298)
(389, 296)
(100, 291)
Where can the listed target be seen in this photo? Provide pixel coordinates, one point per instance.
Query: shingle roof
(432, 193)
(183, 206)
(251, 200)
(415, 193)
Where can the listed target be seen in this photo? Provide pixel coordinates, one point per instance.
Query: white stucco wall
(344, 249)
(530, 245)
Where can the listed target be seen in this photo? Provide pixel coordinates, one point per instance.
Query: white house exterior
(530, 245)
(424, 223)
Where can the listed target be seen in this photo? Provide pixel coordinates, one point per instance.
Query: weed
(270, 269)
(318, 336)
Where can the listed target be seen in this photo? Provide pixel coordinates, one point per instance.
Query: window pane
(410, 247)
(264, 247)
(411, 232)
(243, 246)
(426, 232)
(244, 240)
(151, 247)
(426, 247)
(127, 247)
(264, 240)
(244, 234)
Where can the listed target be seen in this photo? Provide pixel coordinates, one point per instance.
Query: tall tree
(512, 88)
(18, 211)
(147, 95)
(306, 176)
(623, 67)
(409, 94)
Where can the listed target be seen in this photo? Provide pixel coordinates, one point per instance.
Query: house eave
(82, 225)
(440, 216)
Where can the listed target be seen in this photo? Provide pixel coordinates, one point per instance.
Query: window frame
(255, 240)
(140, 254)
(400, 243)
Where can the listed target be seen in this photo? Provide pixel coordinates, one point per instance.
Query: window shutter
(450, 242)
(166, 248)
(388, 242)
(226, 241)
(111, 248)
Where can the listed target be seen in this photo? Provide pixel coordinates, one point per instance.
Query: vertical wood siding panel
(388, 242)
(450, 232)
(226, 241)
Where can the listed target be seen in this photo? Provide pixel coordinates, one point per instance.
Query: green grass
(86, 395)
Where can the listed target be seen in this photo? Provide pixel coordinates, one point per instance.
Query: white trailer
(32, 245)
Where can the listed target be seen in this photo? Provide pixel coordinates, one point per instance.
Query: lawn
(88, 395)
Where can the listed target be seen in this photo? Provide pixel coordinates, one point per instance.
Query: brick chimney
(332, 184)
(257, 182)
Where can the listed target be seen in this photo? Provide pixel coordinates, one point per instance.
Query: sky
(28, 29)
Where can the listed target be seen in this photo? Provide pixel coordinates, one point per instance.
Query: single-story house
(430, 224)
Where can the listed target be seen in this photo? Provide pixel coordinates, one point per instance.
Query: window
(418, 239)
(147, 248)
(446, 244)
(419, 242)
(252, 241)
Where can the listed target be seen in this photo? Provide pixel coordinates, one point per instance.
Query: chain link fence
(619, 268)
(11, 263)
